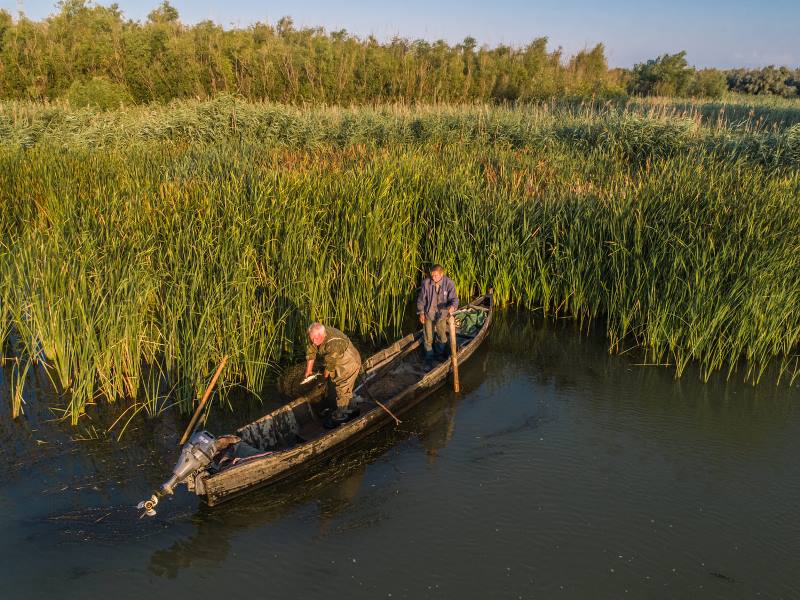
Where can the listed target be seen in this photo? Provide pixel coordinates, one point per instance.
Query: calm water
(559, 472)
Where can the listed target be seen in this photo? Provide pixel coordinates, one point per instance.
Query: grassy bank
(140, 246)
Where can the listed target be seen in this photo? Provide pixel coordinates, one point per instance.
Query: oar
(451, 321)
(203, 401)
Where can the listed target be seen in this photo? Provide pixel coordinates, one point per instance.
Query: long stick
(391, 414)
(203, 401)
(451, 321)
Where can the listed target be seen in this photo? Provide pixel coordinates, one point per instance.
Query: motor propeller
(148, 506)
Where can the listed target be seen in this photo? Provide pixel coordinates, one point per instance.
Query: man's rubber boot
(428, 363)
(441, 350)
(340, 416)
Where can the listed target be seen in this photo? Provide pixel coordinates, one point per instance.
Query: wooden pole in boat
(451, 320)
(196, 414)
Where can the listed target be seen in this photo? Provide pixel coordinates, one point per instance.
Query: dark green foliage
(671, 75)
(770, 81)
(162, 60)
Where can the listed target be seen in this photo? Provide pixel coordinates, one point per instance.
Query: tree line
(671, 75)
(92, 54)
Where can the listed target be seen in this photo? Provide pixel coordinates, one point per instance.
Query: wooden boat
(293, 437)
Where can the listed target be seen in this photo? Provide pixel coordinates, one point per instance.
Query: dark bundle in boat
(294, 436)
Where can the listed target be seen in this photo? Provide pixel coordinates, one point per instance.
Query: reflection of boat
(293, 436)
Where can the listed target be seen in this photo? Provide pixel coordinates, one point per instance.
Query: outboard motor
(195, 454)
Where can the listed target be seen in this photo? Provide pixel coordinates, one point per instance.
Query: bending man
(342, 364)
(436, 301)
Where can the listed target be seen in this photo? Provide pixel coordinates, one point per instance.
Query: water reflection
(559, 457)
(567, 360)
(441, 429)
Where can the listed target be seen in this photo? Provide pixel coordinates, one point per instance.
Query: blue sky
(713, 33)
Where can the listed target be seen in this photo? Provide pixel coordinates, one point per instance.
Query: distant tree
(771, 80)
(84, 41)
(165, 13)
(71, 8)
(24, 72)
(5, 22)
(708, 83)
(285, 26)
(588, 75)
(794, 81)
(667, 75)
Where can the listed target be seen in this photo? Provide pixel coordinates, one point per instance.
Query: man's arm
(309, 368)
(311, 356)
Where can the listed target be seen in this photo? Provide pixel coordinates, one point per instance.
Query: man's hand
(422, 319)
(451, 310)
(327, 373)
(309, 368)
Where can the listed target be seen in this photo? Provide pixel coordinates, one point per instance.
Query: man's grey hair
(316, 328)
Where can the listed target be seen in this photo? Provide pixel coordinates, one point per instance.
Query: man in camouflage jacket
(342, 361)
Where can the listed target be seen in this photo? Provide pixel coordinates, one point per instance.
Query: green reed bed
(130, 269)
(640, 127)
(732, 111)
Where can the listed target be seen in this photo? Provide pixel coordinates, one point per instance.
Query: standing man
(342, 365)
(437, 300)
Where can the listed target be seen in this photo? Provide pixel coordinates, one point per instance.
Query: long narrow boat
(294, 436)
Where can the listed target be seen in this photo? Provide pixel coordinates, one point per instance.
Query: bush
(708, 83)
(667, 75)
(769, 81)
(99, 93)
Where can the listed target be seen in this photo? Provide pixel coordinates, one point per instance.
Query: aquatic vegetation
(140, 246)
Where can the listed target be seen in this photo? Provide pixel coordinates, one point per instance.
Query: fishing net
(470, 322)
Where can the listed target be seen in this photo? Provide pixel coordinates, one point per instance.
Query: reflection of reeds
(129, 270)
(17, 383)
